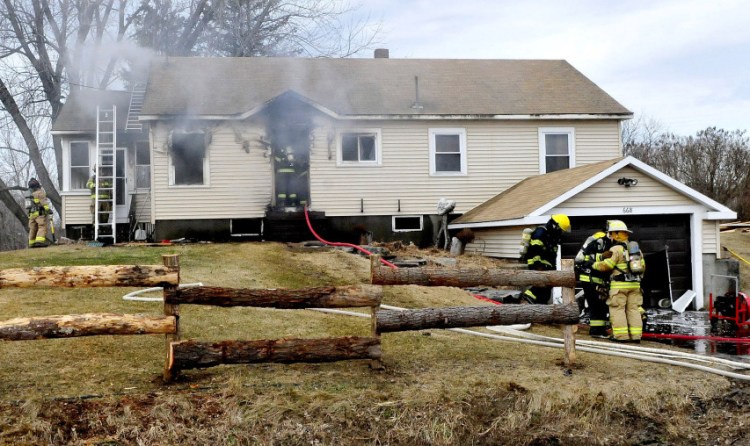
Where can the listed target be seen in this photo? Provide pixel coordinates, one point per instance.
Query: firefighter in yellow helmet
(542, 254)
(38, 208)
(595, 284)
(625, 262)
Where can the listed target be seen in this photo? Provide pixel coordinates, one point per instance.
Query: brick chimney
(381, 53)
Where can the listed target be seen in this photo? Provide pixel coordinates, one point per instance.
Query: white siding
(497, 242)
(239, 185)
(647, 192)
(711, 237)
(142, 203)
(499, 154)
(76, 209)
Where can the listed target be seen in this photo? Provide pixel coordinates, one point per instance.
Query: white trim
(461, 132)
(393, 223)
(360, 131)
(625, 211)
(410, 117)
(724, 211)
(526, 221)
(696, 254)
(543, 131)
(67, 163)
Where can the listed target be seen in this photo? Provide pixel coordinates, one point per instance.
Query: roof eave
(406, 116)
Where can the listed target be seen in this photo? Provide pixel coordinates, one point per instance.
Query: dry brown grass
(439, 387)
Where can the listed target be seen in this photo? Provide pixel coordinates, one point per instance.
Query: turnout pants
(623, 313)
(38, 229)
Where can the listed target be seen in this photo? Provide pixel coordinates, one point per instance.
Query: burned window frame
(375, 133)
(545, 157)
(85, 169)
(463, 159)
(171, 143)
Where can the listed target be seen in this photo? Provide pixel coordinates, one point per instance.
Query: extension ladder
(105, 192)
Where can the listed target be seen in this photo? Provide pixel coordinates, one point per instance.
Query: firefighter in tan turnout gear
(625, 261)
(37, 206)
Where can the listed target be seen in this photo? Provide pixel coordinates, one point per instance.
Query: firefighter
(595, 284)
(104, 194)
(626, 265)
(38, 208)
(286, 195)
(542, 254)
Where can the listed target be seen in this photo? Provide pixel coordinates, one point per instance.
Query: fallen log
(90, 276)
(88, 324)
(452, 317)
(468, 277)
(194, 354)
(319, 297)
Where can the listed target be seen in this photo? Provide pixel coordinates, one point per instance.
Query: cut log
(90, 276)
(89, 324)
(452, 317)
(193, 354)
(468, 277)
(319, 297)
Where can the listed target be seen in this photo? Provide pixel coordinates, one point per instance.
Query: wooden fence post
(569, 297)
(172, 260)
(375, 364)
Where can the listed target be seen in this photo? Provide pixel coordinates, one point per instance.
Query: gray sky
(685, 63)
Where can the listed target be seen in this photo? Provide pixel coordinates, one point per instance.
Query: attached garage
(670, 221)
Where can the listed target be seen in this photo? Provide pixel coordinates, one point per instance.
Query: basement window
(556, 149)
(407, 223)
(359, 148)
(188, 160)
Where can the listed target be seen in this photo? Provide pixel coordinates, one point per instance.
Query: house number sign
(627, 210)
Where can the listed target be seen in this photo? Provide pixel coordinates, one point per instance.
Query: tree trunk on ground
(90, 276)
(468, 277)
(452, 317)
(319, 297)
(193, 354)
(89, 324)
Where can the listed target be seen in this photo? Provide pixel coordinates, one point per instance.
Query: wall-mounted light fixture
(627, 182)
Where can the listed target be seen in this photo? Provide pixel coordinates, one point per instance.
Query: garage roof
(531, 200)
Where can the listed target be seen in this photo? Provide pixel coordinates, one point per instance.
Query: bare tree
(50, 47)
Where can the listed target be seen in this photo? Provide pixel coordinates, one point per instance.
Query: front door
(121, 186)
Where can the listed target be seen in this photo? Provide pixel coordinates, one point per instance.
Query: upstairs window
(188, 159)
(142, 165)
(556, 151)
(360, 147)
(79, 165)
(447, 151)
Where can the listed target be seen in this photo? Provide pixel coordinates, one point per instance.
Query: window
(188, 160)
(142, 165)
(407, 223)
(555, 149)
(79, 165)
(447, 151)
(359, 147)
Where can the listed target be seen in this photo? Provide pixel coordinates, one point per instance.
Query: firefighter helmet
(563, 222)
(34, 184)
(617, 225)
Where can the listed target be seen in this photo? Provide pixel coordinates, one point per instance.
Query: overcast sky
(685, 63)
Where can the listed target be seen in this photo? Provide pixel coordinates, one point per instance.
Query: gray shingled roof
(532, 193)
(233, 86)
(79, 112)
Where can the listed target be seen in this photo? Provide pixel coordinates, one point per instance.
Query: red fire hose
(363, 250)
(696, 337)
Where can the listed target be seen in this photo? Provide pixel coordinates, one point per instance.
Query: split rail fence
(191, 354)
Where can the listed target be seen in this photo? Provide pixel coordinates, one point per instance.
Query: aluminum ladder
(106, 142)
(137, 96)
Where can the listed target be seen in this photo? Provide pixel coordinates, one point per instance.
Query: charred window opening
(188, 158)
